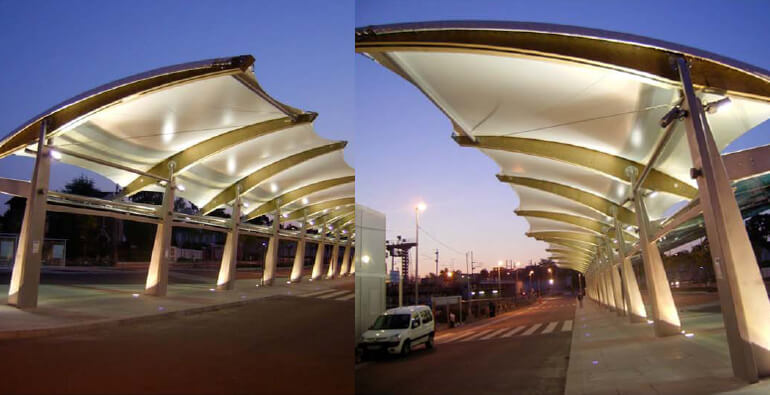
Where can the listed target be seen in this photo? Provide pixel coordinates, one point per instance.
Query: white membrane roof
(569, 106)
(212, 119)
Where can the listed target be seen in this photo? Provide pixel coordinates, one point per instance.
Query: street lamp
(420, 207)
(531, 272)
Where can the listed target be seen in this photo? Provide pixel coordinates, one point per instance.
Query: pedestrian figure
(580, 299)
(452, 322)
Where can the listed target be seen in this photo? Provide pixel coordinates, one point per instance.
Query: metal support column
(318, 264)
(25, 278)
(664, 314)
(271, 257)
(334, 260)
(345, 268)
(742, 293)
(227, 268)
(634, 303)
(299, 254)
(617, 292)
(157, 275)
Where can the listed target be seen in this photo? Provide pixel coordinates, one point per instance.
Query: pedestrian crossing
(480, 334)
(330, 294)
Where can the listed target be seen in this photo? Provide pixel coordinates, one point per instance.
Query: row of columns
(742, 293)
(25, 278)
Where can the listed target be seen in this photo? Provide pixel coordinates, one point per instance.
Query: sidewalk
(73, 308)
(611, 356)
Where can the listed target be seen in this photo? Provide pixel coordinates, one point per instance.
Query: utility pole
(437, 263)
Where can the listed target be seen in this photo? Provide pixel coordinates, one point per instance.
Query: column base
(228, 286)
(635, 319)
(267, 282)
(663, 329)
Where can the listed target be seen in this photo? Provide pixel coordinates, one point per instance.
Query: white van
(397, 330)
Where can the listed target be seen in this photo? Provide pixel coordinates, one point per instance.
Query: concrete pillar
(353, 264)
(318, 265)
(335, 258)
(664, 314)
(345, 268)
(25, 278)
(617, 287)
(299, 255)
(271, 257)
(633, 298)
(157, 275)
(227, 269)
(742, 293)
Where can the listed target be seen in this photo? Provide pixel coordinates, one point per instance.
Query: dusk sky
(52, 51)
(403, 141)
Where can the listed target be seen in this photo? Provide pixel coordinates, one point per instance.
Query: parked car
(398, 330)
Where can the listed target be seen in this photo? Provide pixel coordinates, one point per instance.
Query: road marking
(493, 334)
(482, 333)
(550, 327)
(531, 330)
(513, 331)
(333, 294)
(318, 292)
(458, 337)
(567, 326)
(347, 297)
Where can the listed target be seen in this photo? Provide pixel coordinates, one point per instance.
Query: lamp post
(531, 272)
(420, 207)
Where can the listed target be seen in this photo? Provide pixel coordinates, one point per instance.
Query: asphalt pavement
(275, 345)
(524, 351)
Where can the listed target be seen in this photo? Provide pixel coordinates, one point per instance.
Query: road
(524, 351)
(275, 345)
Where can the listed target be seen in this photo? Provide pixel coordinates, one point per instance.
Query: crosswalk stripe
(513, 331)
(531, 330)
(479, 334)
(333, 294)
(567, 326)
(318, 292)
(550, 327)
(493, 334)
(347, 297)
(458, 337)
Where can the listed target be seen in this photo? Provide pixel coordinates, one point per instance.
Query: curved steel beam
(587, 199)
(298, 193)
(587, 248)
(254, 179)
(584, 237)
(569, 251)
(197, 153)
(610, 165)
(583, 222)
(313, 209)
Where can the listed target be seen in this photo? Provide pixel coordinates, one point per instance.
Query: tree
(83, 186)
(758, 228)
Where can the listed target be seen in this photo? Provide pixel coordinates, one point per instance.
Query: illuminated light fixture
(212, 289)
(180, 187)
(273, 187)
(344, 231)
(337, 208)
(499, 263)
(246, 204)
(311, 222)
(56, 155)
(721, 104)
(162, 183)
(285, 215)
(689, 334)
(473, 292)
(257, 285)
(135, 295)
(650, 321)
(331, 227)
(326, 210)
(652, 194)
(288, 282)
(161, 308)
(168, 128)
(550, 281)
(304, 201)
(421, 206)
(481, 292)
(365, 259)
(231, 165)
(494, 291)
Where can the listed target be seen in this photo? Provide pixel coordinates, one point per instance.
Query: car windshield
(392, 321)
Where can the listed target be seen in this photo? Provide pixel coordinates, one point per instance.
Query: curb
(110, 323)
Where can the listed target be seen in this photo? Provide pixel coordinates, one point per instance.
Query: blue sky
(54, 50)
(403, 145)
